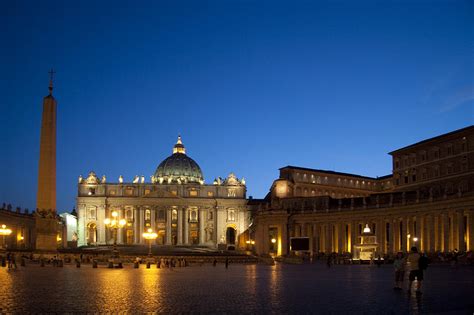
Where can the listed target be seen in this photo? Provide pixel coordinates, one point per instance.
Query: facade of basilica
(176, 204)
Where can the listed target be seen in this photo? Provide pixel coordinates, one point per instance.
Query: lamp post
(4, 232)
(115, 223)
(149, 235)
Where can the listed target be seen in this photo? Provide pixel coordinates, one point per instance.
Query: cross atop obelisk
(51, 76)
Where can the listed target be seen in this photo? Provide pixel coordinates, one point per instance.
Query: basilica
(177, 204)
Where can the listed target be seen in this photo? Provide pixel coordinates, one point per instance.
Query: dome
(178, 168)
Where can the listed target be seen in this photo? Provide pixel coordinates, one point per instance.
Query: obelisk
(46, 221)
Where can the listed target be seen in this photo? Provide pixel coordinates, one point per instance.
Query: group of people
(415, 264)
(171, 262)
(11, 261)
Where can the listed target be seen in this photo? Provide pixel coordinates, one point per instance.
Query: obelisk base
(46, 234)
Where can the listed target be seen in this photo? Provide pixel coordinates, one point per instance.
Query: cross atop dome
(179, 147)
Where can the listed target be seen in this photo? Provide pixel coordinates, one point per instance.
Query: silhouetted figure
(214, 263)
(226, 262)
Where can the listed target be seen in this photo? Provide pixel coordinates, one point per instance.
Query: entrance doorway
(230, 236)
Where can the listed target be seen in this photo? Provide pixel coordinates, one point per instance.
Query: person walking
(399, 265)
(413, 264)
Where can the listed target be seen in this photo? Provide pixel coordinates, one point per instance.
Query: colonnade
(440, 231)
(434, 232)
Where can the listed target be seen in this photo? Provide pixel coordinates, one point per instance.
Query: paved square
(239, 289)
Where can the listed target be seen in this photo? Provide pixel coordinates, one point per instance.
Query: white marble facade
(181, 209)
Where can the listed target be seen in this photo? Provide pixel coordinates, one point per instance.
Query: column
(432, 232)
(328, 238)
(340, 237)
(259, 237)
(180, 225)
(101, 225)
(405, 232)
(168, 226)
(445, 224)
(142, 224)
(316, 237)
(266, 245)
(353, 235)
(216, 227)
(395, 236)
(309, 229)
(202, 233)
(380, 232)
(153, 220)
(284, 239)
(423, 233)
(120, 230)
(470, 230)
(136, 225)
(81, 225)
(460, 231)
(303, 230)
(186, 226)
(436, 233)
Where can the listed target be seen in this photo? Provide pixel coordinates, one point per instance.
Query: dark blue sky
(251, 86)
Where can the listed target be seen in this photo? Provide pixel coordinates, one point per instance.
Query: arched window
(174, 215)
(147, 214)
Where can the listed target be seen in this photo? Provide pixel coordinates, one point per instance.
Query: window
(450, 149)
(128, 214)
(231, 192)
(91, 191)
(174, 192)
(147, 191)
(397, 163)
(413, 178)
(209, 217)
(231, 215)
(112, 192)
(436, 171)
(423, 173)
(464, 164)
(193, 215)
(449, 168)
(161, 215)
(174, 215)
(92, 213)
(193, 193)
(147, 214)
(210, 194)
(406, 180)
(129, 191)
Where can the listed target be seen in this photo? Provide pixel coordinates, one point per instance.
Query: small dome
(178, 168)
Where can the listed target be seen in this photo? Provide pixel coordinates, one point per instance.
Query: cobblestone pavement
(240, 289)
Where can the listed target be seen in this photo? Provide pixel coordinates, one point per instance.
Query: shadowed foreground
(239, 289)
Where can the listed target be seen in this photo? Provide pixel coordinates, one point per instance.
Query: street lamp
(415, 239)
(4, 232)
(149, 235)
(115, 223)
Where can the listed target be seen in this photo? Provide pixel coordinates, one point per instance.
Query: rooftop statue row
(92, 179)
